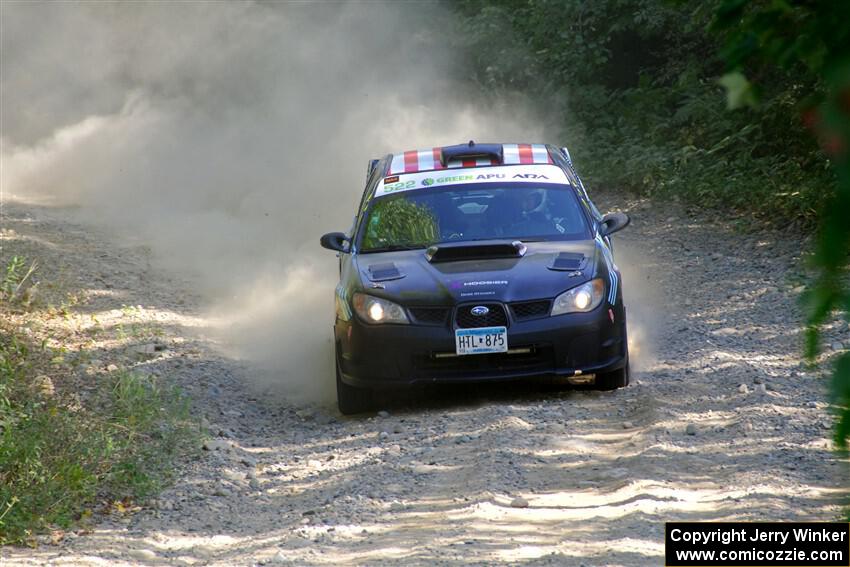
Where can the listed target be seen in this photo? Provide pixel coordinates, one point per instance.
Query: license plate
(481, 340)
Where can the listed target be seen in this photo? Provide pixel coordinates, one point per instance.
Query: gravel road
(722, 422)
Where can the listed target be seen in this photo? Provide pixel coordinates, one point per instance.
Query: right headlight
(375, 310)
(580, 299)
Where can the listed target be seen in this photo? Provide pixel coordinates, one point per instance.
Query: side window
(571, 176)
(581, 192)
(594, 212)
(597, 215)
(371, 182)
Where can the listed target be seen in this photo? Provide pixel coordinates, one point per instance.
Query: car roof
(466, 156)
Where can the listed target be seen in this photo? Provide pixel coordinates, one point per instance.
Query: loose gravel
(722, 421)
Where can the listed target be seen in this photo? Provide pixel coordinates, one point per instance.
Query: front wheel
(351, 399)
(617, 378)
(614, 379)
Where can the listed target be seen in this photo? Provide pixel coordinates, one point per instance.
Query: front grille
(531, 309)
(525, 360)
(430, 315)
(495, 317)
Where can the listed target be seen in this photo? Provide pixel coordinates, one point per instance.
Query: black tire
(615, 379)
(618, 378)
(351, 399)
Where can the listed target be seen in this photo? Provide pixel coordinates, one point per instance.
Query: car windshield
(417, 219)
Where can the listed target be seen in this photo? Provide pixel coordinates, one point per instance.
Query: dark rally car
(477, 262)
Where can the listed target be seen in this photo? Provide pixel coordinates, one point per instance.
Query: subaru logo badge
(479, 311)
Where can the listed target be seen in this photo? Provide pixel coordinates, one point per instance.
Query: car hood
(544, 271)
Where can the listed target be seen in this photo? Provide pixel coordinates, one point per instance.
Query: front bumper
(385, 356)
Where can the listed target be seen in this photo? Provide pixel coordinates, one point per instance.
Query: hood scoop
(568, 262)
(479, 250)
(384, 272)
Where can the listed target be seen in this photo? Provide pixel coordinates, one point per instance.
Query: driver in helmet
(532, 218)
(530, 202)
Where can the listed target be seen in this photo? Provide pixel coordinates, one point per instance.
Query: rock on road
(722, 422)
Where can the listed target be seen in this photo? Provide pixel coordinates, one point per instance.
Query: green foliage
(15, 277)
(811, 40)
(59, 459)
(637, 87)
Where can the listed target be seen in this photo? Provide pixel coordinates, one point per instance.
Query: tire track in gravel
(442, 479)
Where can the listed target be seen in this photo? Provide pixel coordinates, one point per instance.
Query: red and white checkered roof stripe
(429, 160)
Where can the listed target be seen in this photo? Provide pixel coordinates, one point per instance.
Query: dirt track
(443, 480)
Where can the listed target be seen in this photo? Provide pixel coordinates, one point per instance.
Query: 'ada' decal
(530, 176)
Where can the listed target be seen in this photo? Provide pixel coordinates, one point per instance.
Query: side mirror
(335, 241)
(613, 222)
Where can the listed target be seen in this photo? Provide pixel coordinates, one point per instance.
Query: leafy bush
(60, 458)
(636, 86)
(809, 40)
(15, 277)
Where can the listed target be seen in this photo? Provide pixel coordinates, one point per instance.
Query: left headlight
(377, 311)
(580, 299)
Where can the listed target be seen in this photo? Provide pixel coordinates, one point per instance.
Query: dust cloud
(229, 137)
(643, 299)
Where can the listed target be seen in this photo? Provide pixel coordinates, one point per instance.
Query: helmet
(531, 201)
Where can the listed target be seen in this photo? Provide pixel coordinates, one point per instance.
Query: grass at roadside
(64, 456)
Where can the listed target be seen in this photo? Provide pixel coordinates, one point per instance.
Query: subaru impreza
(477, 262)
